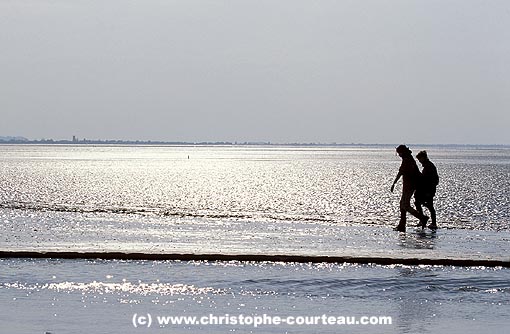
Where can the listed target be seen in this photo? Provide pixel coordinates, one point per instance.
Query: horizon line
(84, 141)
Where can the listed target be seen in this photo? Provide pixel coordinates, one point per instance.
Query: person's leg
(418, 205)
(418, 202)
(401, 227)
(406, 205)
(429, 204)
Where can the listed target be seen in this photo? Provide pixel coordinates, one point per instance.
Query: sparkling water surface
(340, 185)
(71, 296)
(256, 200)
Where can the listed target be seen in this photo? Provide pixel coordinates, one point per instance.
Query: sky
(284, 71)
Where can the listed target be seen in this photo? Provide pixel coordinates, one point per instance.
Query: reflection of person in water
(426, 190)
(410, 174)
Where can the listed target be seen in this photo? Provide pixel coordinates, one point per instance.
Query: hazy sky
(252, 70)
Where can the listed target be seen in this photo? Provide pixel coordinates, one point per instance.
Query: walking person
(410, 176)
(426, 190)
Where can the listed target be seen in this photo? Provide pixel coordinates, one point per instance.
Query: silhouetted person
(410, 174)
(426, 190)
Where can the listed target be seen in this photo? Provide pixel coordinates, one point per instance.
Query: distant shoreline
(87, 142)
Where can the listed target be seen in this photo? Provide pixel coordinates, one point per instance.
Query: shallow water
(338, 185)
(279, 200)
(242, 200)
(63, 296)
(128, 233)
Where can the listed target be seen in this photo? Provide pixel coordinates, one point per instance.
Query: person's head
(422, 156)
(403, 150)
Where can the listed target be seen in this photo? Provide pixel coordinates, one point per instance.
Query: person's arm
(396, 180)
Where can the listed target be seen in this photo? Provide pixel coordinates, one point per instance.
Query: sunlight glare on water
(71, 295)
(343, 185)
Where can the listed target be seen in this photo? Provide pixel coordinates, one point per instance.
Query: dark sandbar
(255, 258)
